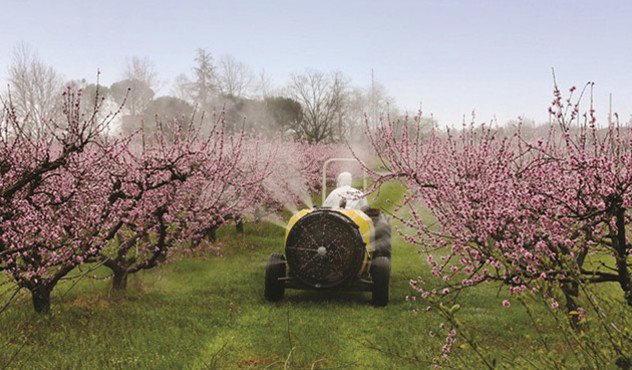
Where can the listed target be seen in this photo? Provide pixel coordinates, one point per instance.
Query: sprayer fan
(325, 249)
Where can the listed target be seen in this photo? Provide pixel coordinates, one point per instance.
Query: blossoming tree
(528, 213)
(53, 210)
(175, 192)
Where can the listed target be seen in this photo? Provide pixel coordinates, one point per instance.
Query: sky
(449, 57)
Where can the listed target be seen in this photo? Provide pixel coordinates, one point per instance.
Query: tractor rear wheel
(275, 288)
(381, 274)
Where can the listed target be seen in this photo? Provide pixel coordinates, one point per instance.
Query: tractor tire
(381, 274)
(382, 236)
(275, 288)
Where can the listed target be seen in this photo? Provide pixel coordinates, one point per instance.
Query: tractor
(333, 248)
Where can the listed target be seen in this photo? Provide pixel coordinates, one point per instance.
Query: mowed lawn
(209, 312)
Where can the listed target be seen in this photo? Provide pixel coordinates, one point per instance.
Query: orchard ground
(209, 312)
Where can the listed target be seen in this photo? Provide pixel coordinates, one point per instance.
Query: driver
(345, 196)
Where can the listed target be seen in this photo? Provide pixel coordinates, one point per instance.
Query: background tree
(168, 109)
(264, 86)
(180, 88)
(286, 113)
(204, 86)
(136, 91)
(134, 94)
(245, 114)
(234, 77)
(322, 97)
(93, 96)
(35, 87)
(92, 93)
(142, 69)
(368, 105)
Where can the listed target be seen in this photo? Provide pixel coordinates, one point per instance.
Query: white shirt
(353, 197)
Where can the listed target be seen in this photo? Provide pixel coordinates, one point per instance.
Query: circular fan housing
(325, 249)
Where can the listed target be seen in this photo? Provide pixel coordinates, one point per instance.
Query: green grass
(209, 312)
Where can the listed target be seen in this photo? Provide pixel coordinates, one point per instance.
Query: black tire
(382, 236)
(381, 275)
(275, 288)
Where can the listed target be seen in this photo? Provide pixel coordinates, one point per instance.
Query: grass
(209, 312)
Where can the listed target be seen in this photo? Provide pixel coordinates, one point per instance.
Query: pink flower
(506, 303)
(580, 313)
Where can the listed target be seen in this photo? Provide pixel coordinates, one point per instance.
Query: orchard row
(546, 217)
(70, 194)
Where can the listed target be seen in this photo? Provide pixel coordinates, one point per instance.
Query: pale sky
(452, 55)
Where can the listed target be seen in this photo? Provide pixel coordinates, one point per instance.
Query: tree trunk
(211, 234)
(571, 293)
(622, 256)
(624, 363)
(119, 280)
(239, 226)
(41, 300)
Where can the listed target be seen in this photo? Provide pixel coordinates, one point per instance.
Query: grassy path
(209, 312)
